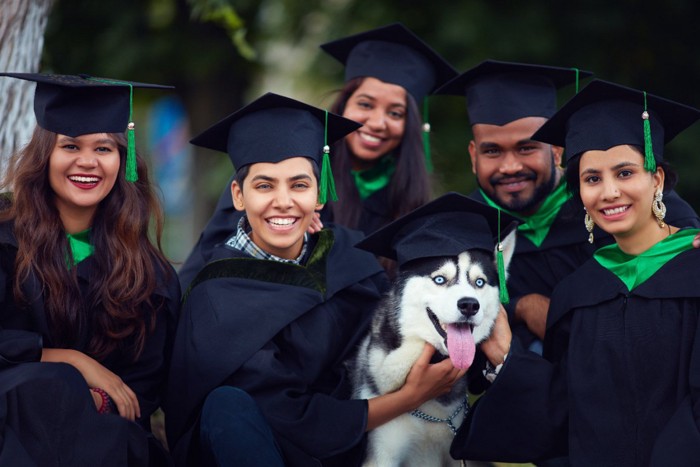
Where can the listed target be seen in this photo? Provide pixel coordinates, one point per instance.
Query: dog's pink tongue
(460, 345)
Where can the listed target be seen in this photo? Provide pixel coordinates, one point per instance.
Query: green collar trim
(536, 227)
(80, 247)
(312, 275)
(372, 180)
(634, 270)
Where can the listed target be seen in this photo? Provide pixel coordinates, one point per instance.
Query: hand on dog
(496, 347)
(427, 381)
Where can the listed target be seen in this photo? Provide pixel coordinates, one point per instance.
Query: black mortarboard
(75, 105)
(446, 226)
(604, 115)
(392, 54)
(501, 92)
(274, 128)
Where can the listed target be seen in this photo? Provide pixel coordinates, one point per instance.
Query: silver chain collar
(429, 418)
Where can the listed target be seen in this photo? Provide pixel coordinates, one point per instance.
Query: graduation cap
(75, 105)
(446, 226)
(501, 92)
(605, 114)
(394, 54)
(274, 128)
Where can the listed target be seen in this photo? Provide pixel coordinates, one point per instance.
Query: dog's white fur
(400, 328)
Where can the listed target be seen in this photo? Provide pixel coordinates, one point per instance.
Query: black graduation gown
(221, 225)
(619, 384)
(280, 332)
(565, 248)
(24, 331)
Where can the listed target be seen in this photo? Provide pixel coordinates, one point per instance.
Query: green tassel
(576, 70)
(503, 290)
(131, 174)
(649, 161)
(500, 265)
(426, 137)
(327, 182)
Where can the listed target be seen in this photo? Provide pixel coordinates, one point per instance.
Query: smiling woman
(82, 172)
(258, 375)
(90, 302)
(381, 168)
(279, 201)
(381, 108)
(618, 195)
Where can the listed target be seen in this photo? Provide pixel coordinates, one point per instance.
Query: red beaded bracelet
(106, 406)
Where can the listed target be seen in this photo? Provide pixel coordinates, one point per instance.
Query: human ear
(658, 179)
(472, 155)
(237, 196)
(557, 152)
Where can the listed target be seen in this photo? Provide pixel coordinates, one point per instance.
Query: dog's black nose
(468, 306)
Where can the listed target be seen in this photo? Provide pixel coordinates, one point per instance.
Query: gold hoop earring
(658, 208)
(588, 222)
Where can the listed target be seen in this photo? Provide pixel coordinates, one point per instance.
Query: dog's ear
(508, 244)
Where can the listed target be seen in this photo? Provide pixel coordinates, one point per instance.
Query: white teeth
(370, 138)
(285, 221)
(610, 212)
(84, 179)
(443, 326)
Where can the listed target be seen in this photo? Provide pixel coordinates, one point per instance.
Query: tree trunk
(22, 25)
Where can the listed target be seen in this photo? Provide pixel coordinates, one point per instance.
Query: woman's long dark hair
(118, 309)
(410, 185)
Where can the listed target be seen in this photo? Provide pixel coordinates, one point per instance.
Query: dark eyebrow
(366, 96)
(271, 179)
(372, 98)
(300, 177)
(66, 139)
(619, 166)
(624, 164)
(488, 145)
(69, 139)
(590, 171)
(262, 177)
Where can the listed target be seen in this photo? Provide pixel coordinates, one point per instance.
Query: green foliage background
(221, 54)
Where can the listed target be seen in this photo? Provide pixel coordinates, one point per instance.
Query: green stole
(633, 270)
(372, 180)
(536, 227)
(80, 247)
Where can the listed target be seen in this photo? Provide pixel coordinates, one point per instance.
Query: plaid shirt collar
(241, 241)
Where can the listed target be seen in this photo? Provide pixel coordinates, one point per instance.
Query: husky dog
(451, 303)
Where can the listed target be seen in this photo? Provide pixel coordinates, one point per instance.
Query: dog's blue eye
(439, 280)
(480, 282)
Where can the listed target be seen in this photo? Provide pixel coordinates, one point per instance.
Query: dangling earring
(589, 225)
(658, 208)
